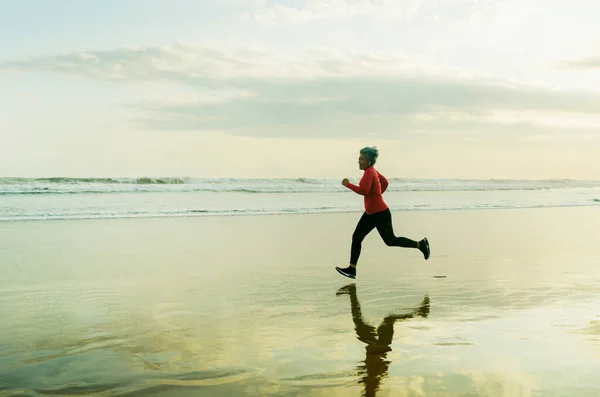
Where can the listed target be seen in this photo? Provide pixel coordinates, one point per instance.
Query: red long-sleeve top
(372, 185)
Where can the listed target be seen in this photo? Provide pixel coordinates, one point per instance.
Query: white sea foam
(87, 198)
(298, 185)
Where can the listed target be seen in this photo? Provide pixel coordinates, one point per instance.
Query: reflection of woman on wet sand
(378, 340)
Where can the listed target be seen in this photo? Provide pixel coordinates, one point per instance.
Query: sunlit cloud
(322, 94)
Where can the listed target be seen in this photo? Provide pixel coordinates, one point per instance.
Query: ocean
(90, 198)
(214, 305)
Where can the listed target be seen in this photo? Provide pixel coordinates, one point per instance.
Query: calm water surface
(131, 318)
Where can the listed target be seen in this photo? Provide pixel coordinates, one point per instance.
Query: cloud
(325, 93)
(383, 107)
(272, 11)
(164, 63)
(586, 63)
(203, 63)
(306, 10)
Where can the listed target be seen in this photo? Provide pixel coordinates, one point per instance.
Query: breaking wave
(63, 185)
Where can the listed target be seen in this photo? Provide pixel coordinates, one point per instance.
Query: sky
(295, 88)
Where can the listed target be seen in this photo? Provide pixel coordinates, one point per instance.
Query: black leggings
(383, 222)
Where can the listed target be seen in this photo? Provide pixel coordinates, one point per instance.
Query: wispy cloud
(214, 60)
(272, 11)
(324, 93)
(588, 59)
(586, 63)
(306, 10)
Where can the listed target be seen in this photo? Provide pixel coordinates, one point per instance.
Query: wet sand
(507, 305)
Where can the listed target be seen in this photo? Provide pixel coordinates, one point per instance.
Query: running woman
(377, 214)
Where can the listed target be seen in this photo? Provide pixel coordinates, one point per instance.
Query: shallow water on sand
(157, 320)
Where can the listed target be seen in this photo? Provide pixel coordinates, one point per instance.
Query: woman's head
(368, 157)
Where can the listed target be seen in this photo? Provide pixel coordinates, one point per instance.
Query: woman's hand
(345, 182)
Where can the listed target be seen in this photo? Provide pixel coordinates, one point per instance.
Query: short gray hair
(371, 153)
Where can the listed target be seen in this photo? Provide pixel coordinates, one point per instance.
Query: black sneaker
(423, 310)
(424, 248)
(347, 271)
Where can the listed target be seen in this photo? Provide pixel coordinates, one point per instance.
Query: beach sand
(507, 305)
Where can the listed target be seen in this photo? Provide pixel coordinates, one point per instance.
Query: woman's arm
(364, 186)
(384, 182)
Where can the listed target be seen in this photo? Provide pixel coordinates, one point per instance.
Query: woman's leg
(386, 231)
(364, 227)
